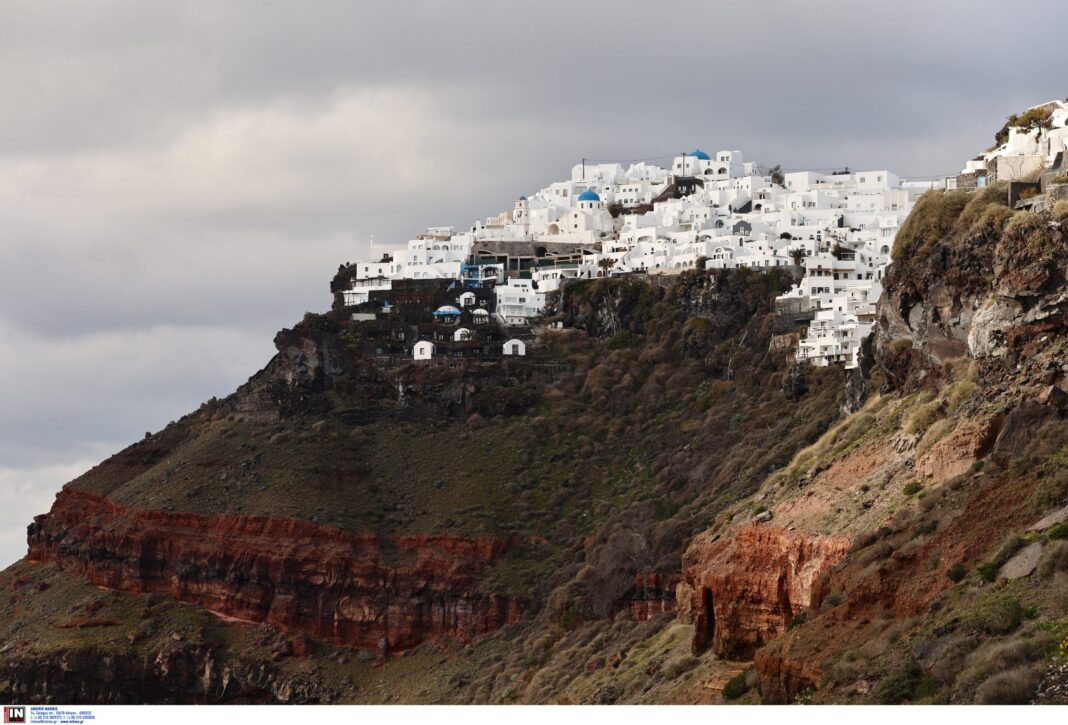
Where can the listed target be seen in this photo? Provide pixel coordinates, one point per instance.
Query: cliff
(745, 588)
(426, 514)
(656, 503)
(873, 578)
(297, 576)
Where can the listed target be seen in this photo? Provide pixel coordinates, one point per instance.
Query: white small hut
(423, 350)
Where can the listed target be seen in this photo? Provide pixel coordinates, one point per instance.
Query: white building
(515, 347)
(423, 350)
(714, 209)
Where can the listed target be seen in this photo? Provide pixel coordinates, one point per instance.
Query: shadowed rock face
(745, 587)
(295, 575)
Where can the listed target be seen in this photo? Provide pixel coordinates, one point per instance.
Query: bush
(1023, 223)
(1059, 531)
(1060, 210)
(927, 687)
(988, 571)
(899, 686)
(1032, 118)
(927, 527)
(1055, 560)
(935, 433)
(931, 221)
(833, 600)
(1015, 687)
(956, 573)
(665, 509)
(998, 615)
(571, 618)
(923, 417)
(735, 687)
(678, 666)
(911, 488)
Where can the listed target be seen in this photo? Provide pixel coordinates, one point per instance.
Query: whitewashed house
(515, 347)
(423, 350)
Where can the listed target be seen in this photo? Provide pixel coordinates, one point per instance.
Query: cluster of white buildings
(1025, 151)
(610, 219)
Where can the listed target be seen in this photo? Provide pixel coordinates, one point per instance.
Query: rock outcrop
(747, 585)
(301, 577)
(652, 594)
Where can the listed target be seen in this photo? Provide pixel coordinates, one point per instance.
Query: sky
(178, 181)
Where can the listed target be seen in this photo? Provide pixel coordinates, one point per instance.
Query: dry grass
(1015, 687)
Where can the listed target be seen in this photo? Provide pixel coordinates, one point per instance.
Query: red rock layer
(296, 575)
(747, 586)
(652, 594)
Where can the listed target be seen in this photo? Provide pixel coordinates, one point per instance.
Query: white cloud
(27, 492)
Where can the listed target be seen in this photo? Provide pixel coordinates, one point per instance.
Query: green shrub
(1059, 531)
(956, 573)
(571, 618)
(988, 571)
(797, 620)
(927, 687)
(735, 687)
(665, 509)
(1060, 210)
(899, 686)
(998, 615)
(911, 488)
(927, 527)
(1032, 118)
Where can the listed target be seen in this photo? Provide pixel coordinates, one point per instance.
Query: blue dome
(523, 197)
(589, 195)
(699, 154)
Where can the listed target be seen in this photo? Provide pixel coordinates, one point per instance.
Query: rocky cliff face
(932, 483)
(970, 278)
(295, 575)
(745, 587)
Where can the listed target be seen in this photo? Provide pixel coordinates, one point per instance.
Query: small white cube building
(461, 335)
(515, 347)
(423, 350)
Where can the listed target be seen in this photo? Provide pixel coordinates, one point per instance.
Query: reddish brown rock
(652, 594)
(300, 577)
(747, 585)
(957, 452)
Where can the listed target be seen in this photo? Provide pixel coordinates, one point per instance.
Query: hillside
(531, 495)
(656, 504)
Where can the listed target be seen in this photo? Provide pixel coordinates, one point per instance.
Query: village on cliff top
(836, 229)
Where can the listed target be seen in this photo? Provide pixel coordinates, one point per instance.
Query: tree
(605, 265)
(777, 175)
(786, 235)
(798, 255)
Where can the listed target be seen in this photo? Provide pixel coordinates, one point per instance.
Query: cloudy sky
(180, 180)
